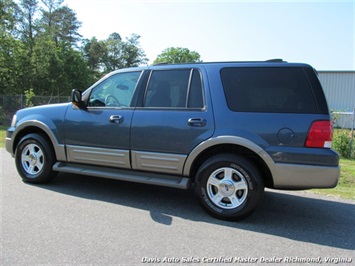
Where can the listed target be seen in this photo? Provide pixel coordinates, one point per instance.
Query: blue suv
(225, 129)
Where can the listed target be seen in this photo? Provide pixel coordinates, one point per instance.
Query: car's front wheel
(229, 186)
(34, 159)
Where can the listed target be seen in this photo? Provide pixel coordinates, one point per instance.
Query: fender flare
(59, 149)
(233, 140)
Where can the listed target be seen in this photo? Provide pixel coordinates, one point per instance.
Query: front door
(100, 134)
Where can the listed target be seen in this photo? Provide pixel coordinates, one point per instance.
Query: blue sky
(320, 33)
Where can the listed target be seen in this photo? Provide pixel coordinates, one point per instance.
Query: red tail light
(320, 135)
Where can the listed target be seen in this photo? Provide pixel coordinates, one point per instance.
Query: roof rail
(276, 60)
(162, 63)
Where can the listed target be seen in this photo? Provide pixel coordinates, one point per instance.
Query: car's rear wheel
(229, 186)
(34, 159)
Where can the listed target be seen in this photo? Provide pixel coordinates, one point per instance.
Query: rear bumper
(298, 176)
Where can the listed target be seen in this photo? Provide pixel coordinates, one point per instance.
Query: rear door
(174, 116)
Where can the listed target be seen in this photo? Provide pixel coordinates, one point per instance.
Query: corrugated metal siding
(339, 89)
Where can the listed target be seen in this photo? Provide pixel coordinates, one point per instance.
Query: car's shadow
(323, 222)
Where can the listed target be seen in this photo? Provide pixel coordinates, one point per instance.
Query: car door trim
(158, 162)
(98, 156)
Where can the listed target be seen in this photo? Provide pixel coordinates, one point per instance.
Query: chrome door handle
(197, 122)
(118, 119)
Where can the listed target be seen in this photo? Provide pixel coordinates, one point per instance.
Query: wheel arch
(233, 145)
(38, 127)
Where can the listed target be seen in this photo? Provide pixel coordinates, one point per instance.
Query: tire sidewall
(45, 174)
(251, 176)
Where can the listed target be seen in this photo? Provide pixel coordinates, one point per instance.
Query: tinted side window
(177, 88)
(268, 89)
(115, 91)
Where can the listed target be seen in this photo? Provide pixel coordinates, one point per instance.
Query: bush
(29, 97)
(342, 143)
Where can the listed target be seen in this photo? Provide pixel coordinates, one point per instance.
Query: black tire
(34, 158)
(229, 186)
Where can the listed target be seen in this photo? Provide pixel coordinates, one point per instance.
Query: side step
(124, 175)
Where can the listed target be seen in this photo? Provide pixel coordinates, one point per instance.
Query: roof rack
(276, 60)
(162, 63)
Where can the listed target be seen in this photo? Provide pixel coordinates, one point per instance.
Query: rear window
(268, 89)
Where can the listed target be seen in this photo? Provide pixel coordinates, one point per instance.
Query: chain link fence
(9, 104)
(344, 119)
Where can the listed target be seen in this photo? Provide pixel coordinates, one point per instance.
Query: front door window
(115, 91)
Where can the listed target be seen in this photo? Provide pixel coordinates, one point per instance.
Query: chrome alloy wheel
(32, 159)
(227, 188)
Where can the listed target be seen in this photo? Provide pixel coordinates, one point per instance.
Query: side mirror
(76, 99)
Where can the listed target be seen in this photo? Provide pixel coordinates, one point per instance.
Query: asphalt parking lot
(91, 221)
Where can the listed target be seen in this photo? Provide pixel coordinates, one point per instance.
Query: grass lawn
(2, 136)
(345, 188)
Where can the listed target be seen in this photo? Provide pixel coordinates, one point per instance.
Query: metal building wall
(339, 89)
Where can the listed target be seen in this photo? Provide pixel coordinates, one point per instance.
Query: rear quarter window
(268, 89)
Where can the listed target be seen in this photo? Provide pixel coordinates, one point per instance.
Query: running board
(124, 175)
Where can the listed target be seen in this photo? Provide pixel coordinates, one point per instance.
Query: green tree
(94, 52)
(48, 17)
(60, 22)
(175, 55)
(58, 64)
(58, 68)
(27, 30)
(113, 53)
(66, 26)
(10, 64)
(133, 55)
(38, 48)
(28, 10)
(47, 66)
(78, 75)
(10, 47)
(8, 16)
(40, 52)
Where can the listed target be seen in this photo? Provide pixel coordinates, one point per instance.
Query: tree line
(42, 52)
(41, 49)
